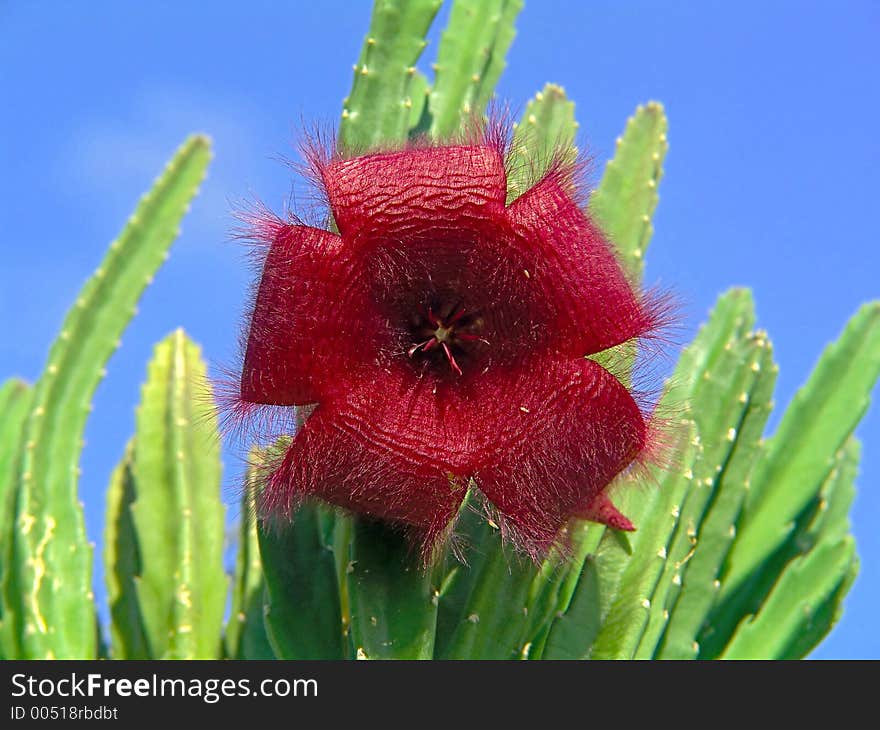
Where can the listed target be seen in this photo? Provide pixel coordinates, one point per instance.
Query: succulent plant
(743, 546)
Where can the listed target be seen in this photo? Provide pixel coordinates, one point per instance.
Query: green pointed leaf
(177, 511)
(246, 636)
(15, 399)
(457, 579)
(801, 453)
(393, 600)
(547, 129)
(386, 85)
(625, 200)
(52, 555)
(624, 204)
(470, 61)
(122, 563)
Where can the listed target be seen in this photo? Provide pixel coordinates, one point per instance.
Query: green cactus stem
(52, 557)
(379, 109)
(177, 513)
(15, 399)
(122, 560)
(546, 130)
(470, 61)
(245, 636)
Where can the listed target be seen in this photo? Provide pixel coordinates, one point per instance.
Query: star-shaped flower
(443, 335)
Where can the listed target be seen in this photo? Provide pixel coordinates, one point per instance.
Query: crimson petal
(312, 319)
(380, 449)
(559, 441)
(549, 439)
(416, 194)
(571, 266)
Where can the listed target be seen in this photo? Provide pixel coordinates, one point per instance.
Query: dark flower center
(446, 335)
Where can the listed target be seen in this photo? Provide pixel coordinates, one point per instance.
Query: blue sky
(770, 181)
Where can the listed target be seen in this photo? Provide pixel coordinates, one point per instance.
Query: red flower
(443, 335)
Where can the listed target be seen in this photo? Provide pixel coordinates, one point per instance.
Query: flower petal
(602, 510)
(559, 440)
(548, 440)
(416, 194)
(573, 270)
(361, 466)
(312, 320)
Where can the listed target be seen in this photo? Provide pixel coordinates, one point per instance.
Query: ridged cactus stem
(15, 399)
(177, 512)
(245, 636)
(393, 600)
(303, 617)
(545, 132)
(801, 453)
(625, 200)
(122, 561)
(379, 109)
(52, 555)
(470, 61)
(717, 497)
